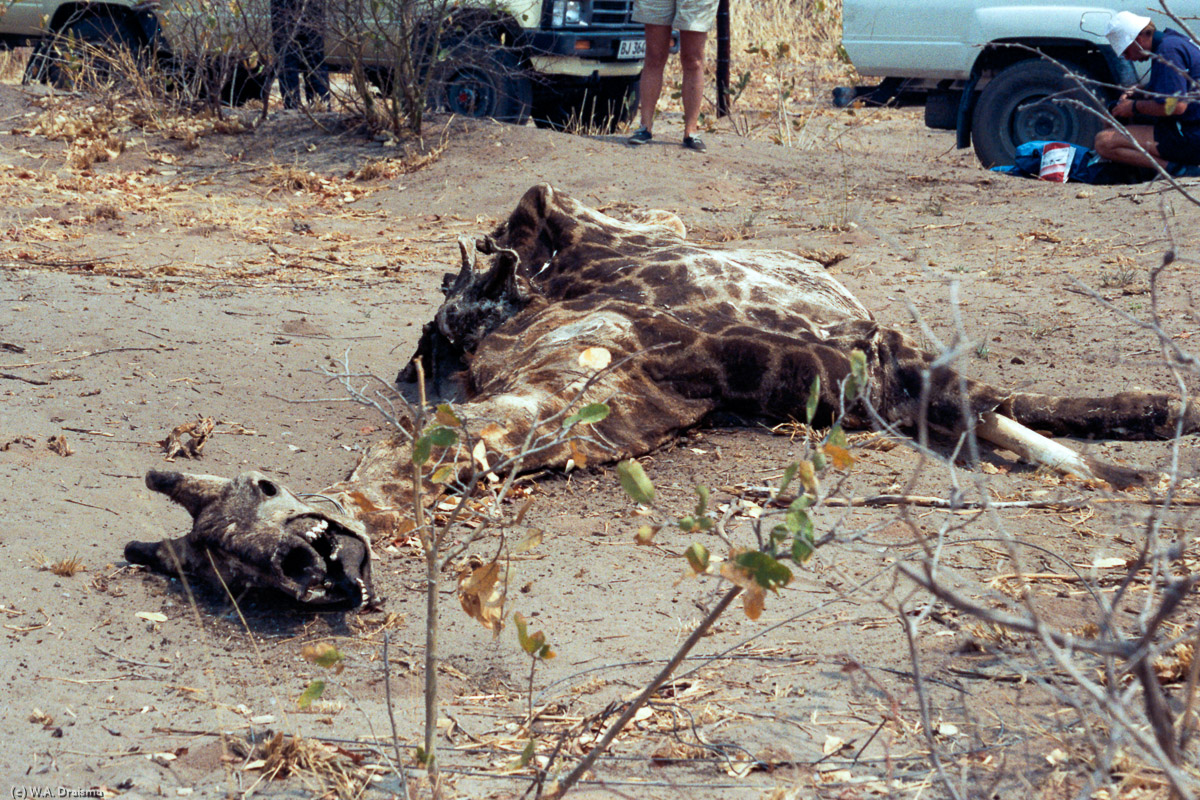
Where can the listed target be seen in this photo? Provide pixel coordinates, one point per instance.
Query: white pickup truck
(994, 69)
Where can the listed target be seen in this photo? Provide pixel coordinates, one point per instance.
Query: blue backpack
(1086, 166)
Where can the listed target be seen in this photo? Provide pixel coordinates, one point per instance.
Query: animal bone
(254, 533)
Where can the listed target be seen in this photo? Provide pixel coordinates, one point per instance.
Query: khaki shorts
(683, 15)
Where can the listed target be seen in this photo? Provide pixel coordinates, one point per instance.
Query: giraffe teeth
(316, 529)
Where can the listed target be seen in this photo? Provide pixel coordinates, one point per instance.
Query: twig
(387, 690)
(1121, 648)
(123, 660)
(89, 505)
(1065, 504)
(12, 377)
(86, 355)
(598, 749)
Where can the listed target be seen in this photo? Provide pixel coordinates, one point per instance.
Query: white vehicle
(994, 71)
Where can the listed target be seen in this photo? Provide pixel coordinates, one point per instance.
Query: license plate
(632, 48)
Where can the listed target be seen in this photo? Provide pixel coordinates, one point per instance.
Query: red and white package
(1056, 161)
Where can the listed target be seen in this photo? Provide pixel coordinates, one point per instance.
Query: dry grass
(328, 770)
(786, 57)
(64, 567)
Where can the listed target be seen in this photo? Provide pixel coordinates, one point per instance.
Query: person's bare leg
(1115, 146)
(691, 59)
(658, 48)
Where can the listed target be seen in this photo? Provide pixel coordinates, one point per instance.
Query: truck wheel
(1024, 103)
(483, 79)
(594, 109)
(83, 53)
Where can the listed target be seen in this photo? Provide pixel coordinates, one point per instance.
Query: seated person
(1171, 97)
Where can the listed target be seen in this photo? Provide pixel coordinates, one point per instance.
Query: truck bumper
(584, 67)
(597, 46)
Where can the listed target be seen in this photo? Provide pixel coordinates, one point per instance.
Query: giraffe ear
(503, 280)
(465, 273)
(193, 492)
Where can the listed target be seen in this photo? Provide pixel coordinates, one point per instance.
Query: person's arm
(1158, 108)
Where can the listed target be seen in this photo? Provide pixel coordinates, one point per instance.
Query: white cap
(1123, 28)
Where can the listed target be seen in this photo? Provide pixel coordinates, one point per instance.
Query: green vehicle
(557, 61)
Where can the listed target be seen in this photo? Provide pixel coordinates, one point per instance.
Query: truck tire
(83, 53)
(483, 79)
(941, 110)
(602, 108)
(1024, 104)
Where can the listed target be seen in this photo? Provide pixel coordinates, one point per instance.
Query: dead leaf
(530, 541)
(596, 358)
(482, 593)
(198, 432)
(753, 594)
(58, 444)
(840, 456)
(832, 745)
(577, 454)
(479, 455)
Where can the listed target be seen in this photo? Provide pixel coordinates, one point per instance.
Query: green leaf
(645, 534)
(702, 502)
(446, 416)
(802, 547)
(837, 437)
(789, 474)
(443, 436)
(422, 447)
(808, 477)
(857, 380)
(697, 558)
(526, 756)
(797, 520)
(768, 572)
(588, 415)
(323, 654)
(522, 632)
(314, 690)
(443, 474)
(818, 459)
(635, 483)
(534, 644)
(814, 399)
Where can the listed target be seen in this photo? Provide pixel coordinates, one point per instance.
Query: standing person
(298, 37)
(693, 19)
(1165, 114)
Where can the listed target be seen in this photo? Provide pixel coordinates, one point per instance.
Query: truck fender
(998, 23)
(966, 110)
(140, 17)
(1122, 71)
(146, 21)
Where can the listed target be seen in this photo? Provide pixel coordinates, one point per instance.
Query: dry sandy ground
(214, 277)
